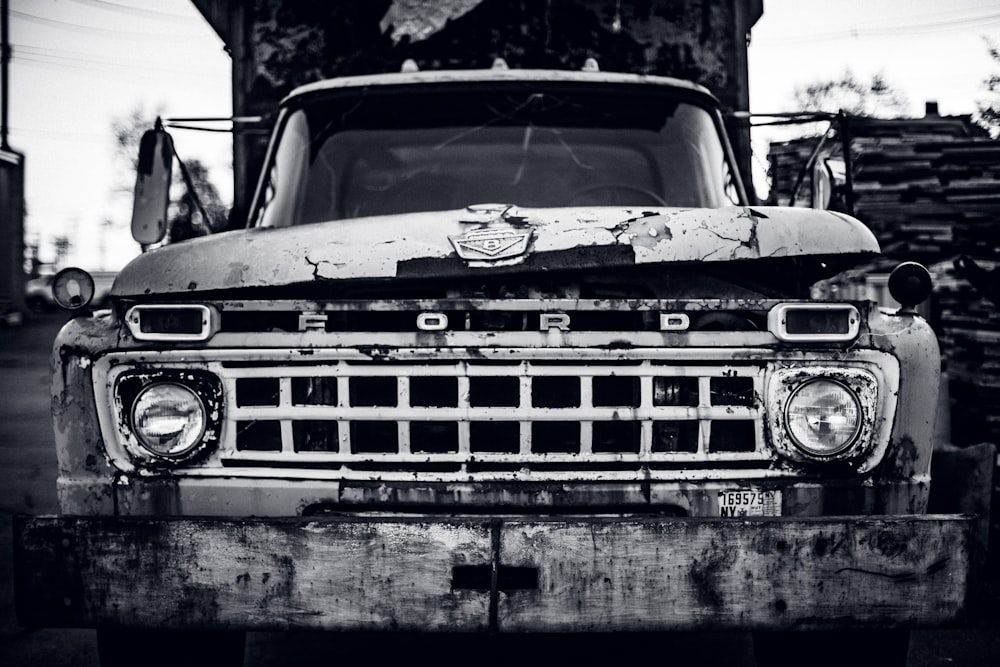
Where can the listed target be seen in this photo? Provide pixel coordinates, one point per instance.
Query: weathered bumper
(503, 575)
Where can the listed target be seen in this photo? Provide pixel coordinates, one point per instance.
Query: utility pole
(4, 71)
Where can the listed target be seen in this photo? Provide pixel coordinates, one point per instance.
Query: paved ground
(27, 485)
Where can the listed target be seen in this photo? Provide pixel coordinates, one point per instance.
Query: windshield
(378, 154)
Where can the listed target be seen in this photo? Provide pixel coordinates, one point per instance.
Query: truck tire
(173, 648)
(840, 648)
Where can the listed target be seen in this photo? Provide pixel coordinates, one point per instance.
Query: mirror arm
(201, 124)
(807, 167)
(845, 140)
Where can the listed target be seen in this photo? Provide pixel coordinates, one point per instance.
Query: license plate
(749, 502)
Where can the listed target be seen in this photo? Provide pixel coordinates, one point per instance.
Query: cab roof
(497, 75)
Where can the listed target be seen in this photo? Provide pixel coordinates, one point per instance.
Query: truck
(498, 352)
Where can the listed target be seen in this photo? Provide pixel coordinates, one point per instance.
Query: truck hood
(429, 245)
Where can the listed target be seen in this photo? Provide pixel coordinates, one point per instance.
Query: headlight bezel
(205, 386)
(861, 383)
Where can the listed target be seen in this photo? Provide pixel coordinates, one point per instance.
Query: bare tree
(197, 207)
(127, 131)
(988, 111)
(855, 96)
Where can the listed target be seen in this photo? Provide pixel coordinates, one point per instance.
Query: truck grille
(469, 419)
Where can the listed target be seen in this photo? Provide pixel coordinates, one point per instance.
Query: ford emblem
(491, 244)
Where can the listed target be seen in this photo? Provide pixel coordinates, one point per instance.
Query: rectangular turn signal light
(814, 322)
(168, 322)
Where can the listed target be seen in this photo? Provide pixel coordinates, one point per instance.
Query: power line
(46, 61)
(972, 21)
(894, 21)
(136, 11)
(56, 135)
(81, 57)
(118, 34)
(898, 29)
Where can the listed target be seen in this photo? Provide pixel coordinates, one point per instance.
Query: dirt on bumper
(518, 574)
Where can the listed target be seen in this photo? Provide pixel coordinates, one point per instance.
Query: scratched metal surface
(518, 575)
(419, 246)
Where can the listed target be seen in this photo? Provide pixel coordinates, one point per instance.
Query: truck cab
(500, 351)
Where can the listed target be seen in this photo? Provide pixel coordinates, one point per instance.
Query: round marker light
(910, 284)
(73, 288)
(823, 417)
(168, 419)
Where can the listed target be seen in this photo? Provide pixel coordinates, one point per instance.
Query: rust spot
(375, 351)
(200, 604)
(890, 544)
(282, 584)
(827, 545)
(237, 274)
(907, 453)
(705, 575)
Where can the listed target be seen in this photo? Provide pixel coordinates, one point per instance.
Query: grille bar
(279, 458)
(524, 369)
(484, 305)
(587, 414)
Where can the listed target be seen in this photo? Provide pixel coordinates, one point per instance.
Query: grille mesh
(464, 418)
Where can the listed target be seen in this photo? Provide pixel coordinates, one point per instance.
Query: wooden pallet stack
(929, 188)
(968, 327)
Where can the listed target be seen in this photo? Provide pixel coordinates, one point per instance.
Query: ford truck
(497, 351)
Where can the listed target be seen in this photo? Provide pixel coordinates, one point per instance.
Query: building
(11, 235)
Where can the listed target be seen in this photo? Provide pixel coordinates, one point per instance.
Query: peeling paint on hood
(392, 246)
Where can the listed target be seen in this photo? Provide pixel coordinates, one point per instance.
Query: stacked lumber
(929, 188)
(968, 328)
(786, 159)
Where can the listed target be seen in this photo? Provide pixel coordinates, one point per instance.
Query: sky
(79, 64)
(76, 66)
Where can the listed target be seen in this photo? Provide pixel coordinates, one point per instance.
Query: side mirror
(152, 187)
(829, 183)
(822, 185)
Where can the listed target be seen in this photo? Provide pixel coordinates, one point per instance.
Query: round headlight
(823, 417)
(168, 419)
